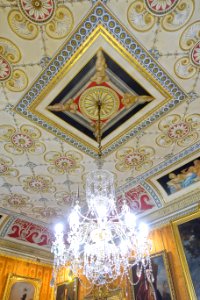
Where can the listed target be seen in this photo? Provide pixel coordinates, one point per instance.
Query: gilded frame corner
(115, 294)
(14, 279)
(75, 283)
(175, 224)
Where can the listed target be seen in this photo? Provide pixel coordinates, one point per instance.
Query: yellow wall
(25, 268)
(163, 239)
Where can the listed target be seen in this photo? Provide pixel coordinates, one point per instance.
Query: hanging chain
(99, 130)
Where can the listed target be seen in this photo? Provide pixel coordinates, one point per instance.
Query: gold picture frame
(67, 290)
(162, 285)
(104, 294)
(20, 287)
(187, 238)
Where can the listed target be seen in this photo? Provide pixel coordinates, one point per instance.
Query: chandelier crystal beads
(105, 241)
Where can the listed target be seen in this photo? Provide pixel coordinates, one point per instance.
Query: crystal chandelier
(106, 241)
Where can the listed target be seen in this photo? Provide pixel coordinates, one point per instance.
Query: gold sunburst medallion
(88, 102)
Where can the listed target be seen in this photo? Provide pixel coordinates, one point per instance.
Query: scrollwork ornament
(18, 82)
(129, 158)
(139, 18)
(184, 68)
(11, 77)
(20, 141)
(61, 24)
(16, 201)
(37, 184)
(6, 169)
(47, 212)
(176, 130)
(174, 14)
(179, 16)
(190, 36)
(21, 26)
(61, 163)
(9, 51)
(187, 66)
(26, 20)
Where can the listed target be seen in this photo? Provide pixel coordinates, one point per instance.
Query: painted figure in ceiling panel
(181, 177)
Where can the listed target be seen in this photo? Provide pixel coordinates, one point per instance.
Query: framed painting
(22, 288)
(162, 287)
(187, 234)
(67, 290)
(104, 294)
(181, 178)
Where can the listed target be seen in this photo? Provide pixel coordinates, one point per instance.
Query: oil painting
(181, 178)
(188, 239)
(22, 288)
(161, 288)
(67, 290)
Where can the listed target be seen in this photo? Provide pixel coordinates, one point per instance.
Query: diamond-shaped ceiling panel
(143, 64)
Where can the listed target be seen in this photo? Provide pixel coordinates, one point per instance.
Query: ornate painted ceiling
(57, 58)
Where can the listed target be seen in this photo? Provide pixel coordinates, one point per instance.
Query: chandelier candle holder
(105, 242)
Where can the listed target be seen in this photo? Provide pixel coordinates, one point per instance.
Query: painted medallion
(161, 7)
(195, 55)
(5, 69)
(89, 102)
(37, 11)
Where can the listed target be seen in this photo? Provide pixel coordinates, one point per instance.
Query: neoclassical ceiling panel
(56, 59)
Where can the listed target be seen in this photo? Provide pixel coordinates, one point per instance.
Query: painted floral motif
(187, 66)
(137, 199)
(31, 233)
(18, 142)
(161, 7)
(13, 79)
(6, 168)
(63, 198)
(26, 21)
(195, 54)
(130, 158)
(38, 11)
(143, 14)
(61, 163)
(47, 212)
(16, 201)
(5, 69)
(37, 184)
(177, 130)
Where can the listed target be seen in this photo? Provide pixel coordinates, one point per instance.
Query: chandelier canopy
(103, 243)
